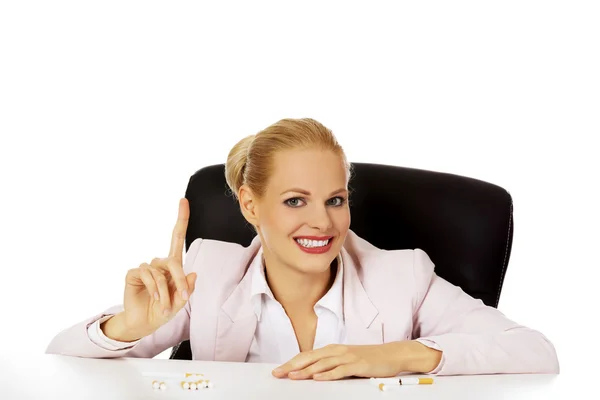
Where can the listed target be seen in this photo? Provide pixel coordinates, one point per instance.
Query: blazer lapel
(236, 323)
(360, 315)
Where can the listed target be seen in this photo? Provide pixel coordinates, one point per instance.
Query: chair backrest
(465, 225)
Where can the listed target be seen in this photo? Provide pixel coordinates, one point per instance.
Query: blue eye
(296, 202)
(293, 202)
(340, 201)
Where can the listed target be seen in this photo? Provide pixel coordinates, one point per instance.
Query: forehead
(318, 171)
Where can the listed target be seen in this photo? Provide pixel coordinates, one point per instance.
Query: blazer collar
(236, 322)
(360, 314)
(238, 305)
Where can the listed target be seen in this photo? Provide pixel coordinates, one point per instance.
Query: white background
(107, 108)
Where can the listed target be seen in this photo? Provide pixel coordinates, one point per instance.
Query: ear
(248, 205)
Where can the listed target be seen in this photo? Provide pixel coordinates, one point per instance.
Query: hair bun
(236, 163)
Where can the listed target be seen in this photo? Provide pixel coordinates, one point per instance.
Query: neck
(295, 290)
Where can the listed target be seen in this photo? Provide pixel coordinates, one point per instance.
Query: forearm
(412, 356)
(77, 341)
(514, 351)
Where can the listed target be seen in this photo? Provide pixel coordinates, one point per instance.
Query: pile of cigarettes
(191, 381)
(200, 383)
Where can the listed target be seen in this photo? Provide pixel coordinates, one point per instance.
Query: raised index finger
(180, 230)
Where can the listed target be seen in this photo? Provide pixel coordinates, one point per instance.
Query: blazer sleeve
(474, 338)
(75, 340)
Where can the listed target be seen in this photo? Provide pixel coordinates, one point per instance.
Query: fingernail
(156, 295)
(278, 370)
(166, 312)
(185, 295)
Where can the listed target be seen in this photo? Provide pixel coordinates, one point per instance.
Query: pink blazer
(388, 296)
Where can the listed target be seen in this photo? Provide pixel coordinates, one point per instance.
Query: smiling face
(303, 217)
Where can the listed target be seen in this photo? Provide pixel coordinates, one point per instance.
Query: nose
(321, 219)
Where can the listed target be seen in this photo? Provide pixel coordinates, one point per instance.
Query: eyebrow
(307, 193)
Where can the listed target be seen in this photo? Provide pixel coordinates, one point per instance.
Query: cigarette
(405, 381)
(402, 381)
(173, 375)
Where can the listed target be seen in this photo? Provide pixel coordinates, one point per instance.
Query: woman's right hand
(155, 292)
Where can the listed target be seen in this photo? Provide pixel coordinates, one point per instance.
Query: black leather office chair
(464, 225)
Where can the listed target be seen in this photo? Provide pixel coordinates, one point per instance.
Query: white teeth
(312, 243)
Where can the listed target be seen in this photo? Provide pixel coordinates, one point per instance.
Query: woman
(307, 294)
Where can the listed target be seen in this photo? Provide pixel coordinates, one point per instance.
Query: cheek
(281, 222)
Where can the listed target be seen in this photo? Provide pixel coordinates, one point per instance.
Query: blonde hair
(250, 160)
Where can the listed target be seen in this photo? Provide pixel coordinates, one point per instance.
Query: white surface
(61, 377)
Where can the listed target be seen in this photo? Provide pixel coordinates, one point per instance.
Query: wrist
(115, 328)
(413, 356)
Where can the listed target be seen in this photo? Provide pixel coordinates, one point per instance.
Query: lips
(315, 250)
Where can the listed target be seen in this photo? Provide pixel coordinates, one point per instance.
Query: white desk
(60, 377)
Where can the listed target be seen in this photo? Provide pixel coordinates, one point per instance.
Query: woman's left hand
(378, 361)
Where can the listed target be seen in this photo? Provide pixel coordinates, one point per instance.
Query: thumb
(191, 281)
(180, 302)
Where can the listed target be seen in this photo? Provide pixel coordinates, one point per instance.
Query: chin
(313, 269)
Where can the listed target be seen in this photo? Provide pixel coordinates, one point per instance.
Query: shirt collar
(332, 300)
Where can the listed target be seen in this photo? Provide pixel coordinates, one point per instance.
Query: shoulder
(390, 268)
(396, 281)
